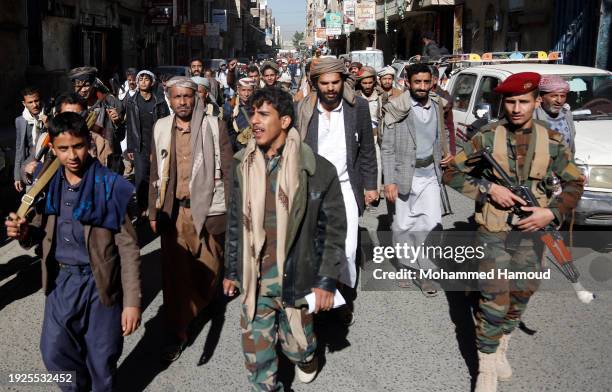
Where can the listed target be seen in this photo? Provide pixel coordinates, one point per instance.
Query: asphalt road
(401, 341)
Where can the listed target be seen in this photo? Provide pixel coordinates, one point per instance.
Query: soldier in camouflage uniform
(285, 240)
(531, 154)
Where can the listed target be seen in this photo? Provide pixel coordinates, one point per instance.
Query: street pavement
(401, 341)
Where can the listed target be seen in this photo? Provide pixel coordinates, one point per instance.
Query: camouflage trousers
(503, 301)
(261, 335)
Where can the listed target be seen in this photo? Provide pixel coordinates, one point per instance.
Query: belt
(185, 203)
(424, 162)
(82, 269)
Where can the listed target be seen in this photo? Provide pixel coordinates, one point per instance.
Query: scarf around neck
(253, 171)
(103, 197)
(35, 122)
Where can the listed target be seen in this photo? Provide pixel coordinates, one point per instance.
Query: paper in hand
(338, 301)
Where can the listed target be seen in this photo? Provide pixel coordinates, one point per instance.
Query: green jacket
(475, 181)
(316, 229)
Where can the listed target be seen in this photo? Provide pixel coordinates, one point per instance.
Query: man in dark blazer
(28, 127)
(336, 124)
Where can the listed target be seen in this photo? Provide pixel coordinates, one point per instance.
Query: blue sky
(290, 15)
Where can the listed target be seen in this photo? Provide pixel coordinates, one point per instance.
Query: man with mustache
(109, 111)
(189, 181)
(414, 151)
(336, 124)
(535, 154)
(554, 110)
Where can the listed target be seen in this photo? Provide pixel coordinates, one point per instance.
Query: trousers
(190, 271)
(503, 301)
(259, 338)
(79, 333)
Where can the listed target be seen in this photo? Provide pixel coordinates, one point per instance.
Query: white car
(590, 99)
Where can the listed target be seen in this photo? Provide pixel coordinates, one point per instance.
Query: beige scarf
(253, 171)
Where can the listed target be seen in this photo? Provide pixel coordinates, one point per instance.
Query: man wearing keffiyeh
(189, 179)
(90, 260)
(285, 240)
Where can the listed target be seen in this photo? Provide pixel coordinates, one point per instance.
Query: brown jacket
(214, 225)
(114, 259)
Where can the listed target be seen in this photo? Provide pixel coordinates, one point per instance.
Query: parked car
(369, 57)
(590, 99)
(174, 70)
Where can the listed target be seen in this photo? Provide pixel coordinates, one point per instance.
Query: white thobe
(332, 146)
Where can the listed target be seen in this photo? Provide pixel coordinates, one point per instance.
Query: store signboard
(365, 15)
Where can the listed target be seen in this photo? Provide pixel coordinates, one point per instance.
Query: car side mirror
(483, 111)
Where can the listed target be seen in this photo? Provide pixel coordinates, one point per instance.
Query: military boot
(504, 371)
(487, 373)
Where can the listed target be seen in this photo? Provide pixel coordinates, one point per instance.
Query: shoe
(307, 371)
(346, 316)
(487, 372)
(427, 288)
(171, 352)
(504, 371)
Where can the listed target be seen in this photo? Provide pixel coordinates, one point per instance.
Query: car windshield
(372, 59)
(590, 96)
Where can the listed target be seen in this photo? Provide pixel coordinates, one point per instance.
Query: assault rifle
(549, 235)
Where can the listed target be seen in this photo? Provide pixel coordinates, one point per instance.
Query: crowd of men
(255, 178)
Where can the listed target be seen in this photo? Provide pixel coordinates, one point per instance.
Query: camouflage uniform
(502, 302)
(260, 335)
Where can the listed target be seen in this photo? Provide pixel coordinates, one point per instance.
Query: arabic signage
(365, 15)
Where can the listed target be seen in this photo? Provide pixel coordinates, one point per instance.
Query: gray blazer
(360, 152)
(398, 151)
(22, 152)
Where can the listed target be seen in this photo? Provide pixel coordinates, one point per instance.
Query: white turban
(387, 71)
(200, 81)
(181, 81)
(145, 72)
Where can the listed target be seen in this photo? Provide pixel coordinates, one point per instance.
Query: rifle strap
(41, 182)
(442, 128)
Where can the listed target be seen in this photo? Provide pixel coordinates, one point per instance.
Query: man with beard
(386, 90)
(270, 74)
(367, 88)
(554, 110)
(535, 154)
(336, 124)
(285, 240)
(142, 111)
(29, 127)
(414, 149)
(196, 67)
(109, 112)
(235, 113)
(129, 88)
(190, 164)
(215, 91)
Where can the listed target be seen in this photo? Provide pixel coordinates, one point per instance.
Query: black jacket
(134, 131)
(317, 230)
(361, 155)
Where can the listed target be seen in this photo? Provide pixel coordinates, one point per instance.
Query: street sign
(219, 17)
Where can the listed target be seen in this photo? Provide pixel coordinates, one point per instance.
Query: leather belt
(423, 162)
(185, 203)
(81, 269)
